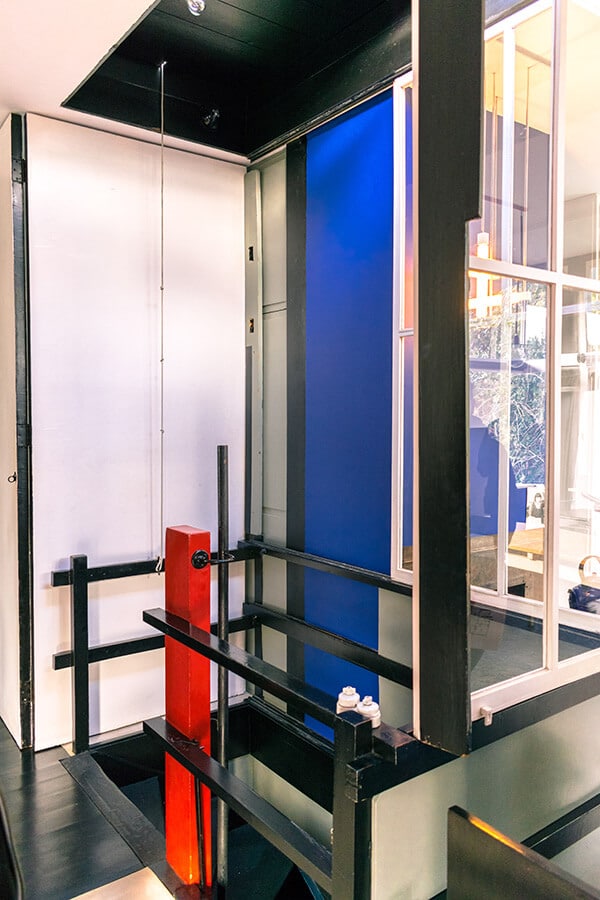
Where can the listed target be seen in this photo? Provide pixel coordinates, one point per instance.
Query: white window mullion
(554, 343)
(506, 253)
(508, 144)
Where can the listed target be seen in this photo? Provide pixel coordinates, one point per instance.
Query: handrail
(64, 577)
(293, 841)
(332, 566)
(78, 577)
(333, 643)
(312, 700)
(117, 649)
(387, 742)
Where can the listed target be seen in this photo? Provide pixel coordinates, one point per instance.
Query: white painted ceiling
(48, 48)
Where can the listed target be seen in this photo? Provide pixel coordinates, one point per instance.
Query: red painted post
(187, 594)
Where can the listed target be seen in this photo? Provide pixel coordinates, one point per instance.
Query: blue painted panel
(349, 238)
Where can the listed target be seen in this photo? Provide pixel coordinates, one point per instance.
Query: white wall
(9, 581)
(95, 332)
(518, 785)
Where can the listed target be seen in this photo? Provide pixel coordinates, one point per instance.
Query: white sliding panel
(95, 213)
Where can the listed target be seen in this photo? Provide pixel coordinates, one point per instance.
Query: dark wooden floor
(64, 844)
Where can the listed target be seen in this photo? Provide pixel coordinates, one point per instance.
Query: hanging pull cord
(160, 560)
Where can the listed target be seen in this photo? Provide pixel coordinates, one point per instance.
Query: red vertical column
(187, 594)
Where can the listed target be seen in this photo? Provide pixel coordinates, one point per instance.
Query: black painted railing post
(258, 598)
(223, 673)
(351, 860)
(80, 643)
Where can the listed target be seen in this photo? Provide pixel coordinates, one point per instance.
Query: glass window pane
(582, 134)
(579, 532)
(515, 209)
(507, 339)
(484, 233)
(532, 127)
(582, 131)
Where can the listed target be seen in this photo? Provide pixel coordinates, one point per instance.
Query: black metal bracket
(201, 559)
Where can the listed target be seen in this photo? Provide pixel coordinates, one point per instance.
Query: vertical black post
(296, 385)
(23, 401)
(248, 443)
(351, 821)
(448, 47)
(223, 634)
(258, 598)
(80, 642)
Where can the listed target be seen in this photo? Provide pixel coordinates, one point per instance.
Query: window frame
(553, 673)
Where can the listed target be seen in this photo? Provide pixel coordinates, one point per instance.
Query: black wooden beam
(23, 422)
(566, 830)
(284, 834)
(63, 577)
(311, 700)
(339, 646)
(332, 566)
(449, 42)
(80, 644)
(291, 750)
(364, 71)
(102, 652)
(351, 819)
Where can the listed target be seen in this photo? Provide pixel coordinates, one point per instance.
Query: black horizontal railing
(387, 742)
(322, 564)
(78, 577)
(354, 740)
(332, 643)
(289, 838)
(567, 830)
(311, 700)
(64, 577)
(102, 652)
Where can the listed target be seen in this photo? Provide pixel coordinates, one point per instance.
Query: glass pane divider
(552, 519)
(508, 144)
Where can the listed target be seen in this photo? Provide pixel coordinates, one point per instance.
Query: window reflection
(582, 132)
(507, 349)
(517, 143)
(579, 533)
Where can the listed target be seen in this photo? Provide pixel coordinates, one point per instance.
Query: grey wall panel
(272, 173)
(273, 200)
(518, 785)
(395, 642)
(275, 440)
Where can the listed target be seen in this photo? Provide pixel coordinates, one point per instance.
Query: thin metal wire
(162, 321)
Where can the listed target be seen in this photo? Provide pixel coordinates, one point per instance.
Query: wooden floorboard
(65, 846)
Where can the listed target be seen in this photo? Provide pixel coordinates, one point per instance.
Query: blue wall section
(349, 239)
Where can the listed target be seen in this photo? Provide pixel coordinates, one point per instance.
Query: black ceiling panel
(268, 67)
